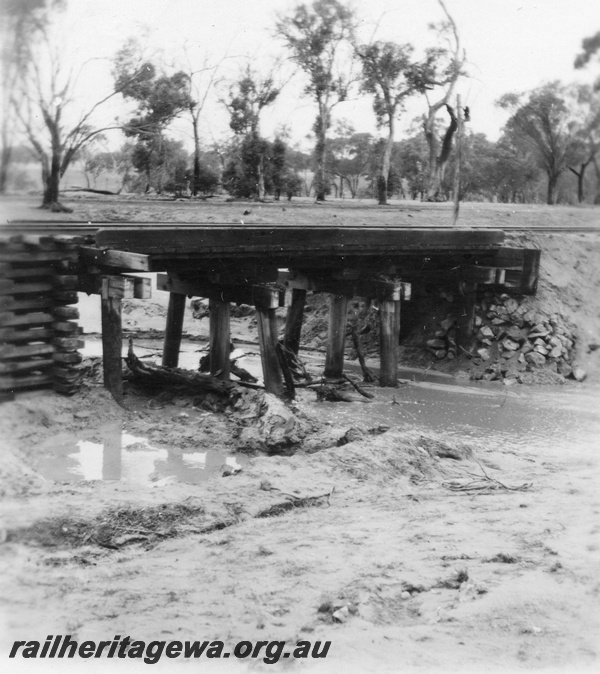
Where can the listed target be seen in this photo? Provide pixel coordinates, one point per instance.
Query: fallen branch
(368, 375)
(295, 365)
(293, 502)
(331, 394)
(241, 373)
(156, 376)
(73, 188)
(285, 369)
(484, 486)
(362, 392)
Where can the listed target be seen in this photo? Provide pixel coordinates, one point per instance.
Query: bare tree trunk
(438, 163)
(52, 185)
(5, 157)
(261, 178)
(384, 176)
(580, 176)
(433, 145)
(459, 133)
(597, 170)
(321, 127)
(552, 184)
(196, 179)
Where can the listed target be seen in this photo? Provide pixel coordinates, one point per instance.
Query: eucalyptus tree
(160, 99)
(20, 24)
(441, 69)
(51, 114)
(247, 99)
(585, 129)
(540, 120)
(391, 76)
(318, 37)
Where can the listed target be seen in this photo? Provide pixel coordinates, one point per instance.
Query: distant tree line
(552, 131)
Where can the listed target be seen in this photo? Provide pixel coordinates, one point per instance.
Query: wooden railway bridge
(264, 266)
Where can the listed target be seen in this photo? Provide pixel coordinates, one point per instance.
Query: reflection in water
(566, 417)
(124, 457)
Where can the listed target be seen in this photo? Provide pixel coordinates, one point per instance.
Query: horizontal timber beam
(382, 290)
(118, 259)
(257, 295)
(121, 286)
(278, 241)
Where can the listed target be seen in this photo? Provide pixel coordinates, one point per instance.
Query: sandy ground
(456, 530)
(442, 568)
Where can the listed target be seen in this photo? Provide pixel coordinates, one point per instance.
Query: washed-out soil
(448, 555)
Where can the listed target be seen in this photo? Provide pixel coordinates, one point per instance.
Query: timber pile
(39, 335)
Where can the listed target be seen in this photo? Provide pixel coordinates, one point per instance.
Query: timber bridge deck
(266, 266)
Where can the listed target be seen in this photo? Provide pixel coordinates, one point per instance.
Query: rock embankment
(513, 342)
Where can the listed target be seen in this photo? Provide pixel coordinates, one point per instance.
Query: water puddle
(549, 418)
(564, 418)
(116, 455)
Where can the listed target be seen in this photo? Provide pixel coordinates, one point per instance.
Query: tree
(390, 75)
(163, 163)
(55, 126)
(20, 23)
(315, 35)
(247, 173)
(586, 135)
(247, 99)
(515, 172)
(284, 178)
(160, 99)
(412, 163)
(479, 179)
(442, 68)
(351, 157)
(540, 120)
(94, 164)
(300, 164)
(203, 178)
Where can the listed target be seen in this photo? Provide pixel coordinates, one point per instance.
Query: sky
(511, 45)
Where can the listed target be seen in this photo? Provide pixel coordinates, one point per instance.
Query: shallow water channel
(549, 418)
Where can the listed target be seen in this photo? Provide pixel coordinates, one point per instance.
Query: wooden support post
(174, 328)
(466, 313)
(531, 271)
(293, 322)
(112, 343)
(389, 312)
(336, 338)
(267, 337)
(220, 338)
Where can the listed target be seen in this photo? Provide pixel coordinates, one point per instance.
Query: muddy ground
(438, 527)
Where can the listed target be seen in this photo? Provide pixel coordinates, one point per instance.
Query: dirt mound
(397, 455)
(16, 478)
(267, 424)
(112, 528)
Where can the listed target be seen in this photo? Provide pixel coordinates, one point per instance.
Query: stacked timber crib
(39, 334)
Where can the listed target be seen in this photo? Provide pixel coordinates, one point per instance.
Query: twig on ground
(362, 392)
